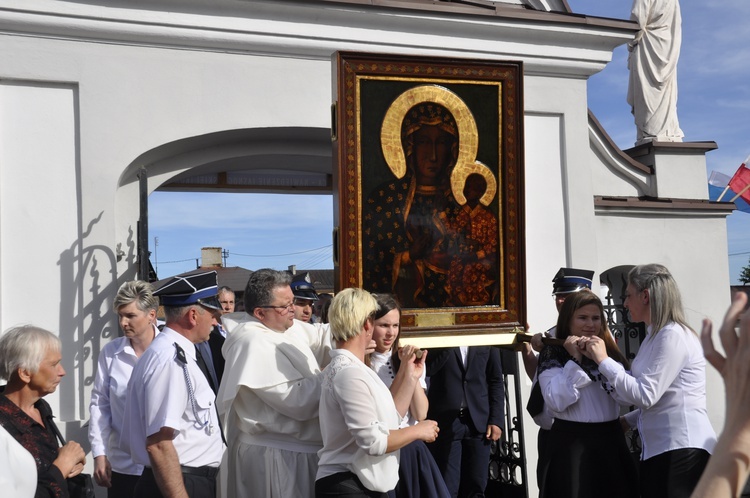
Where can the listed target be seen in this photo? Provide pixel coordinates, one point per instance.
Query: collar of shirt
(381, 357)
(127, 348)
(180, 340)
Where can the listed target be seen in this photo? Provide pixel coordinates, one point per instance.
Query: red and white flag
(740, 182)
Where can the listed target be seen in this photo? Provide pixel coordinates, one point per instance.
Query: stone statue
(652, 90)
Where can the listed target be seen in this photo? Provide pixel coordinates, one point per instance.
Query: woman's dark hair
(578, 300)
(324, 310)
(386, 304)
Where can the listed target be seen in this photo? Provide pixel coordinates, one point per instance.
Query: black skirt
(418, 474)
(587, 460)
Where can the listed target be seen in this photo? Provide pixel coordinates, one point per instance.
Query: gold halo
(459, 176)
(390, 132)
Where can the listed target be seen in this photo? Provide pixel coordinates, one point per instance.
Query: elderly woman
(358, 418)
(667, 384)
(30, 361)
(136, 311)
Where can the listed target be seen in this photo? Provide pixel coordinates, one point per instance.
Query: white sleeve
(298, 399)
(318, 338)
(560, 386)
(631, 418)
(100, 424)
(664, 359)
(165, 397)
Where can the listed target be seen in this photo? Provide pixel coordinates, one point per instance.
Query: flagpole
(741, 192)
(722, 194)
(743, 165)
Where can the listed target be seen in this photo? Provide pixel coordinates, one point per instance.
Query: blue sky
(264, 230)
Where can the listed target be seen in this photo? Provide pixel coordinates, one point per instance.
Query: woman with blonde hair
(359, 420)
(667, 383)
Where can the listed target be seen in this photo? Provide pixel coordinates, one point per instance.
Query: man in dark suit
(211, 349)
(466, 397)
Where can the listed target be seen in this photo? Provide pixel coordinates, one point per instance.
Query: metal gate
(508, 472)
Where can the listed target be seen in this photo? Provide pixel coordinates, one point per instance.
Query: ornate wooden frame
(373, 95)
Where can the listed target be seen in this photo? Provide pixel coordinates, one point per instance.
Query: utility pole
(224, 256)
(142, 234)
(156, 256)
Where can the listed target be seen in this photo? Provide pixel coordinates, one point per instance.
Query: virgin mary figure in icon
(411, 235)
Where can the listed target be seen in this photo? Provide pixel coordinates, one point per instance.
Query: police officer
(304, 296)
(565, 282)
(171, 425)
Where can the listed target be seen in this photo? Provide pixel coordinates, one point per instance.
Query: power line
(277, 255)
(316, 258)
(177, 261)
(313, 261)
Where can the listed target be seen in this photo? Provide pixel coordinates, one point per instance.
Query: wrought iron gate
(508, 473)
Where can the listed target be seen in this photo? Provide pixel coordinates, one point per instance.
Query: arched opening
(280, 160)
(189, 175)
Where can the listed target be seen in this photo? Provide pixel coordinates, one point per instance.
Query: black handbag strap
(51, 424)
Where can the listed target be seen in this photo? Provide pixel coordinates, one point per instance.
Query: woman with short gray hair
(136, 306)
(30, 362)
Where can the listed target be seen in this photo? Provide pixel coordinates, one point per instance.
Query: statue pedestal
(679, 167)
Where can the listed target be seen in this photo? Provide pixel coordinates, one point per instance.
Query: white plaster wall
(566, 97)
(681, 176)
(615, 179)
(545, 226)
(38, 214)
(559, 189)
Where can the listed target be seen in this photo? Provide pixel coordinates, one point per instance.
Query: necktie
(201, 352)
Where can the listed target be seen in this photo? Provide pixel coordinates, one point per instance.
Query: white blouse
(570, 394)
(668, 384)
(383, 366)
(17, 467)
(357, 414)
(107, 408)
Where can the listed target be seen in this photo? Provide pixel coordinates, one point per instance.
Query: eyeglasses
(284, 309)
